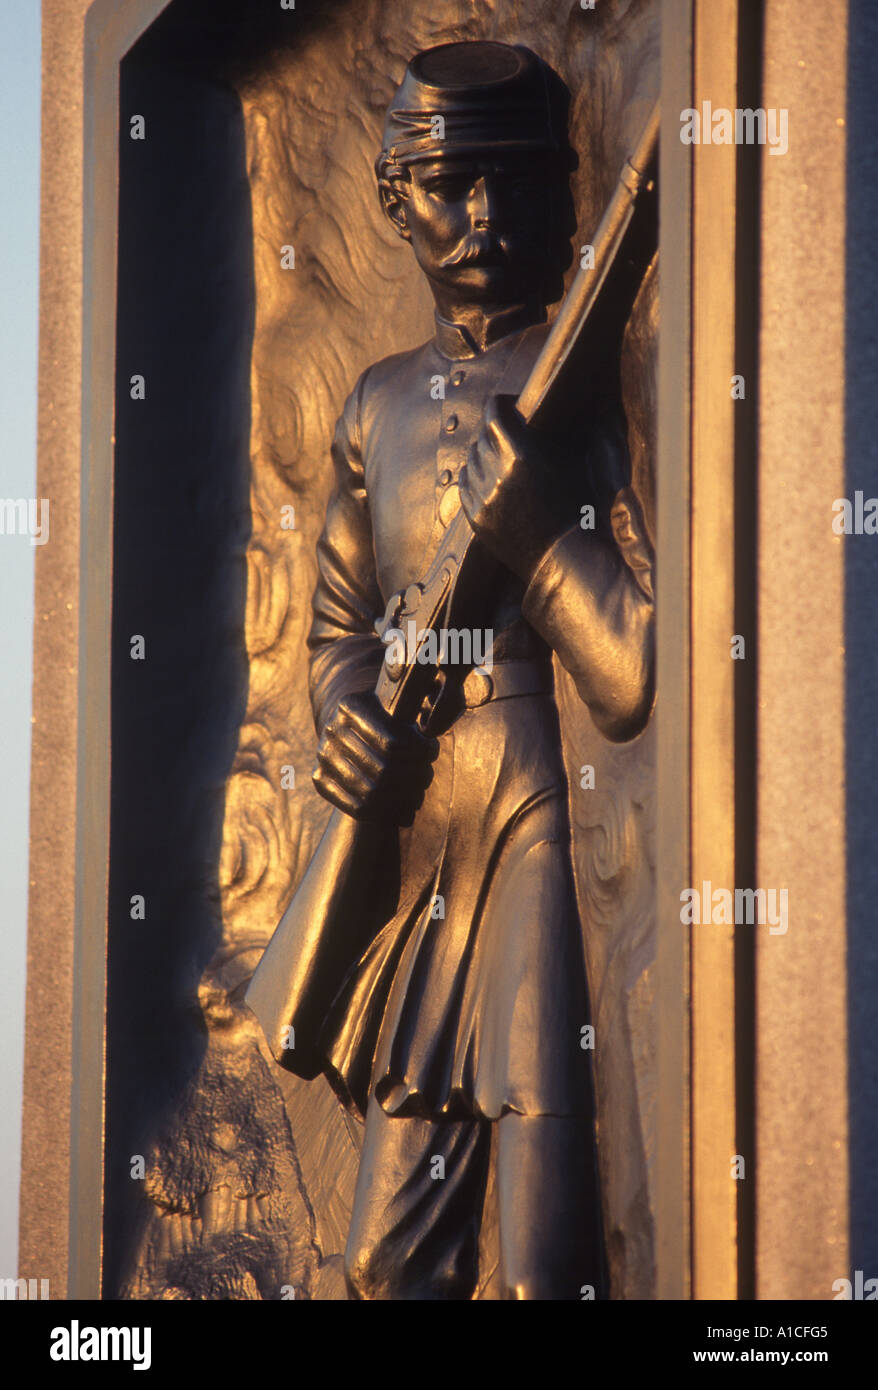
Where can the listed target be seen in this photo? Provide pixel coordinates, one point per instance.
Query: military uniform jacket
(471, 998)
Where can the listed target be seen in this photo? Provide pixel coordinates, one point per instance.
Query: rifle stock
(348, 884)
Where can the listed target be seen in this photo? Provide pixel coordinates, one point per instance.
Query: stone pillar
(62, 1145)
(817, 985)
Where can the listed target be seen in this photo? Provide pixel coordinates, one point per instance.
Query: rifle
(346, 895)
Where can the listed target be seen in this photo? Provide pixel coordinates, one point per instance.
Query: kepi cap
(488, 95)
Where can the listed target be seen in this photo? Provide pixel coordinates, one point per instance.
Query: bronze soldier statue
(448, 999)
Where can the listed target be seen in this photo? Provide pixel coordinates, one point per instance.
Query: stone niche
(225, 1177)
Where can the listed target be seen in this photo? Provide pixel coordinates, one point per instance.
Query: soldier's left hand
(513, 491)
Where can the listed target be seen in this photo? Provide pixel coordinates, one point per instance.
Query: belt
(504, 680)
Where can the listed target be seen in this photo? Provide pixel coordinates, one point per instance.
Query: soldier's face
(480, 227)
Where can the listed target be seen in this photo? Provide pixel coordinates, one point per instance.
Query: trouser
(419, 1199)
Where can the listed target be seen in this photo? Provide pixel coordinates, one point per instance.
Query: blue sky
(19, 265)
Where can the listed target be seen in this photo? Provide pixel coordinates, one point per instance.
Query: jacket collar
(455, 342)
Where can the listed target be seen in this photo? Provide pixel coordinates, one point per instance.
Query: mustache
(480, 248)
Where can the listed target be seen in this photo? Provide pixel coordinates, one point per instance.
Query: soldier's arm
(369, 764)
(346, 652)
(591, 598)
(589, 593)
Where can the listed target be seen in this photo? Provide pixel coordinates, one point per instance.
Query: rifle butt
(321, 936)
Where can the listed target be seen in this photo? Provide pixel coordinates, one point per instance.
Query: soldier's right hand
(372, 766)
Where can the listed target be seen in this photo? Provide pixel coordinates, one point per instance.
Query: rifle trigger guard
(392, 615)
(432, 700)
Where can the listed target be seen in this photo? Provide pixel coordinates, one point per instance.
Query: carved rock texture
(250, 1184)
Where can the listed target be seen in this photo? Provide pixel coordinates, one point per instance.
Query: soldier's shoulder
(390, 372)
(379, 389)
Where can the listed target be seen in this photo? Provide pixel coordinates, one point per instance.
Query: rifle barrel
(583, 293)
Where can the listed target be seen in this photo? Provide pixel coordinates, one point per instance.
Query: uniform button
(448, 504)
(457, 378)
(445, 477)
(451, 424)
(477, 688)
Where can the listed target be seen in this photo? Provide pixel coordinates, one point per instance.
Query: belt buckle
(478, 687)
